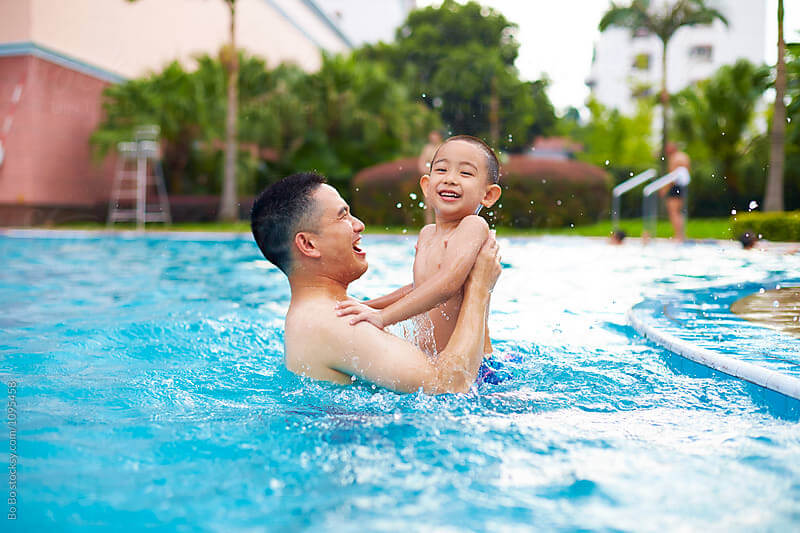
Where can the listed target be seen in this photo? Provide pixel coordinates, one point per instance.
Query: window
(702, 53)
(641, 62)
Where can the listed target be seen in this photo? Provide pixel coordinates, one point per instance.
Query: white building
(626, 67)
(368, 21)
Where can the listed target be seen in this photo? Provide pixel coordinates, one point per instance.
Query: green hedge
(537, 192)
(377, 191)
(777, 226)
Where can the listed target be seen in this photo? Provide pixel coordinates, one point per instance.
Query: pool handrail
(624, 187)
(650, 202)
(673, 176)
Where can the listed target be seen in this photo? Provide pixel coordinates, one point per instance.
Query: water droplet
(413, 196)
(733, 211)
(775, 303)
(558, 202)
(424, 95)
(421, 204)
(399, 205)
(753, 205)
(405, 230)
(607, 162)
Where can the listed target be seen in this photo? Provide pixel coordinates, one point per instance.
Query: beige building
(56, 57)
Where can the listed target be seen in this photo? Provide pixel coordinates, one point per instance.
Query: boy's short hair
(492, 163)
(279, 211)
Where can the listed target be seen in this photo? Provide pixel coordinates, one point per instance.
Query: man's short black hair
(277, 212)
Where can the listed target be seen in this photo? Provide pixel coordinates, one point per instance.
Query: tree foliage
(792, 166)
(715, 119)
(459, 59)
(344, 117)
(662, 19)
(611, 139)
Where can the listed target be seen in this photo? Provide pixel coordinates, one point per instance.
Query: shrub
(542, 192)
(775, 226)
(376, 191)
(537, 192)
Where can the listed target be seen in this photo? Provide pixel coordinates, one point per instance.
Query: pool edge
(763, 377)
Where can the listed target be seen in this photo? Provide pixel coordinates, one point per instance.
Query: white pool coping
(763, 377)
(128, 234)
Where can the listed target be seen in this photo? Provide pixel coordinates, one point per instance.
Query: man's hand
(487, 267)
(361, 312)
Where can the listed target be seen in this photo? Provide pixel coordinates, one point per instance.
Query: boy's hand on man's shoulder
(360, 311)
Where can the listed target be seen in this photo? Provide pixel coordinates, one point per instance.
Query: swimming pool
(150, 392)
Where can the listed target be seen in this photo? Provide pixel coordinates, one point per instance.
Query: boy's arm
(388, 361)
(387, 300)
(458, 259)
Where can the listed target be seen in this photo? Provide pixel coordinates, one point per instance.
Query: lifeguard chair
(138, 192)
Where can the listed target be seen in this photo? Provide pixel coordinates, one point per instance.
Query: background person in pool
(463, 178)
(306, 229)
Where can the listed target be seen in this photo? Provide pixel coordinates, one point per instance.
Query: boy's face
(459, 181)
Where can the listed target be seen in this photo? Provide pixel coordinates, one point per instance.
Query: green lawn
(699, 228)
(240, 226)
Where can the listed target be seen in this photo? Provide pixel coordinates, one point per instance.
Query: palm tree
(773, 197)
(662, 18)
(230, 58)
(228, 210)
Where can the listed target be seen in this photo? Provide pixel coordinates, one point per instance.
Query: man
(305, 228)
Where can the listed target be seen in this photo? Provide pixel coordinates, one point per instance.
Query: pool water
(150, 392)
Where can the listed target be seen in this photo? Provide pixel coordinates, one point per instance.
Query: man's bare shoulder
(321, 345)
(314, 337)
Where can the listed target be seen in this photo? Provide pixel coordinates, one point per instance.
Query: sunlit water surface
(151, 393)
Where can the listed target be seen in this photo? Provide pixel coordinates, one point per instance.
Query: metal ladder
(139, 167)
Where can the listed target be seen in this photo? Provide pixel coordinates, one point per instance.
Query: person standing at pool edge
(674, 193)
(463, 178)
(305, 228)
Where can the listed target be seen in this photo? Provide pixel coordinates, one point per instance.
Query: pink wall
(48, 157)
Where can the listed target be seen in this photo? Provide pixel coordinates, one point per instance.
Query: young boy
(463, 178)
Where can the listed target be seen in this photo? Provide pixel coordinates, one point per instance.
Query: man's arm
(458, 259)
(378, 357)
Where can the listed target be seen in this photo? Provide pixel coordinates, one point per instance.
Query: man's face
(338, 236)
(458, 180)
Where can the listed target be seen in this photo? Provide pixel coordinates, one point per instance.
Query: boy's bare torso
(431, 247)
